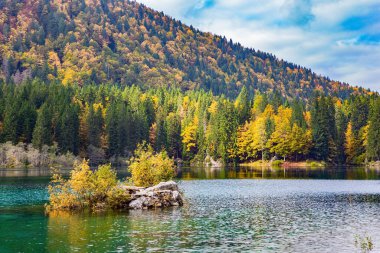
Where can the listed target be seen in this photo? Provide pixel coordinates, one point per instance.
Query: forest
(122, 42)
(96, 78)
(101, 122)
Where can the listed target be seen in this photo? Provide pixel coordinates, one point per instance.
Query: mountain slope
(118, 41)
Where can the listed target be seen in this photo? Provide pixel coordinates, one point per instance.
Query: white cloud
(306, 32)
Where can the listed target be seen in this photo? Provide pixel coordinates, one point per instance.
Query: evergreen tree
(68, 130)
(42, 134)
(320, 128)
(242, 105)
(112, 129)
(123, 128)
(11, 122)
(373, 137)
(341, 126)
(95, 126)
(173, 129)
(297, 114)
(28, 116)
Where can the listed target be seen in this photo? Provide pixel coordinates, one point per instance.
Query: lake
(226, 210)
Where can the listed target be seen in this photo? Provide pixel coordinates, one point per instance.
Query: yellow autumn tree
(280, 138)
(148, 168)
(254, 135)
(244, 140)
(189, 136)
(300, 141)
(350, 144)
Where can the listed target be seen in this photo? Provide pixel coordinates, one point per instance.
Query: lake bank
(286, 164)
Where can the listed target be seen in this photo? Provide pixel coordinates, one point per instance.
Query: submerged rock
(165, 194)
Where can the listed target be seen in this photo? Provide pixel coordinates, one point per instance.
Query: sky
(335, 38)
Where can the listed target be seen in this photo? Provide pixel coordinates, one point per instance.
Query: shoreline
(286, 164)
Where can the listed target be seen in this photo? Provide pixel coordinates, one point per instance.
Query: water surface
(268, 211)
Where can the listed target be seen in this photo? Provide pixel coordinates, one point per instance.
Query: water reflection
(133, 231)
(360, 173)
(243, 172)
(25, 172)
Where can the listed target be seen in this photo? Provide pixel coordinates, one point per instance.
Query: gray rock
(137, 203)
(164, 194)
(170, 185)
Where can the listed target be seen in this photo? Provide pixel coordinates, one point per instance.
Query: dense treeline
(96, 41)
(107, 121)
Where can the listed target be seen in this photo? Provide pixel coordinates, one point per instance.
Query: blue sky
(336, 38)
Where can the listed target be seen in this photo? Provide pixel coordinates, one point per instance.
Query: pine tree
(298, 114)
(173, 129)
(11, 122)
(373, 136)
(341, 126)
(123, 128)
(42, 134)
(242, 105)
(320, 128)
(68, 130)
(112, 129)
(28, 117)
(95, 126)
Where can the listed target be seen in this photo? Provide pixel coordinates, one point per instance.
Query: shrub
(85, 189)
(25, 155)
(148, 168)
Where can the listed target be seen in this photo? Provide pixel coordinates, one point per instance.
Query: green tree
(242, 105)
(68, 130)
(173, 129)
(373, 137)
(112, 129)
(95, 126)
(42, 134)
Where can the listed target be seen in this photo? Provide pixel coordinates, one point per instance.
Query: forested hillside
(105, 122)
(121, 42)
(95, 78)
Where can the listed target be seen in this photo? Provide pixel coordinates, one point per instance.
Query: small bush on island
(86, 189)
(148, 168)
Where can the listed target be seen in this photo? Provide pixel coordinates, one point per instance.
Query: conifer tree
(95, 126)
(173, 130)
(112, 129)
(320, 128)
(11, 122)
(242, 105)
(68, 130)
(42, 134)
(373, 137)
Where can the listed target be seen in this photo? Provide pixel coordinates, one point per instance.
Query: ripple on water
(219, 216)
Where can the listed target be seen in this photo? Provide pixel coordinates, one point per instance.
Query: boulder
(170, 185)
(165, 194)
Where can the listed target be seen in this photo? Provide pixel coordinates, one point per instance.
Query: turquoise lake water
(228, 210)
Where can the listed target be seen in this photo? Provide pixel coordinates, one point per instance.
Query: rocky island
(150, 185)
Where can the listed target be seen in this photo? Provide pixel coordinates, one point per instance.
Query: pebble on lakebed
(165, 194)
